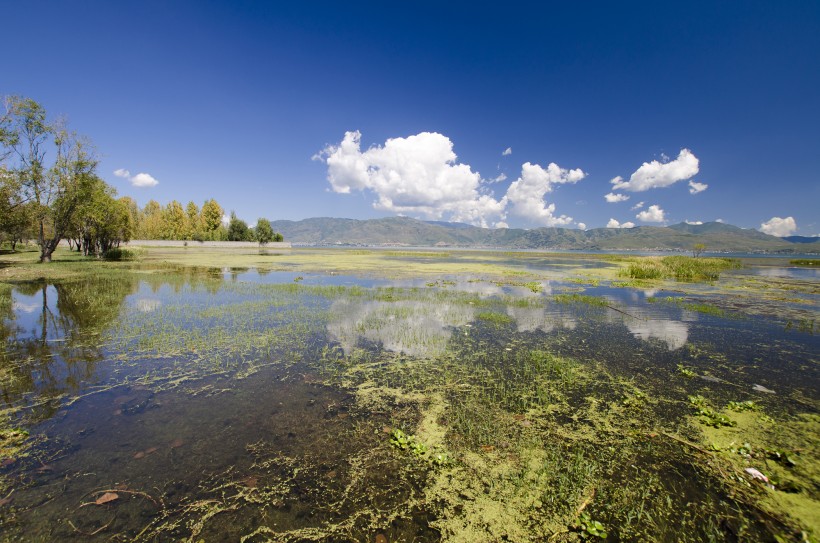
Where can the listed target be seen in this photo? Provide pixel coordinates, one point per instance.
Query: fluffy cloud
(652, 214)
(657, 174)
(637, 206)
(615, 224)
(140, 180)
(144, 180)
(695, 187)
(526, 194)
(582, 226)
(414, 175)
(613, 198)
(694, 223)
(507, 151)
(419, 175)
(779, 227)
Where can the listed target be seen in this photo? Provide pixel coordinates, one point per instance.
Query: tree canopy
(63, 197)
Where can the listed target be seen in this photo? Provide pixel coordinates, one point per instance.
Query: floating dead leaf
(151, 450)
(139, 455)
(386, 429)
(118, 412)
(5, 501)
(106, 498)
(380, 538)
(121, 486)
(177, 443)
(6, 462)
(250, 481)
(44, 468)
(331, 474)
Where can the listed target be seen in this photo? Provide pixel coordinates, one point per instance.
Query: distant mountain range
(402, 231)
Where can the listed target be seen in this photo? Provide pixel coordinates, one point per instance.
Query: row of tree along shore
(50, 191)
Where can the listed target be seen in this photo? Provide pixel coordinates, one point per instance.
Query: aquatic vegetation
(805, 262)
(747, 405)
(225, 404)
(497, 319)
(706, 309)
(680, 268)
(590, 528)
(686, 372)
(575, 298)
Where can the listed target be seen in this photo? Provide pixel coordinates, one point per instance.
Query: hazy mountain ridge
(405, 231)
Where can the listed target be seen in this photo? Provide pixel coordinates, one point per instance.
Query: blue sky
(371, 109)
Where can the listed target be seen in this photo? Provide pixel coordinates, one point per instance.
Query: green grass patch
(679, 268)
(805, 262)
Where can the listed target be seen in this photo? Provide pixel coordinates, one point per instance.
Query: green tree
(194, 221)
(211, 214)
(151, 221)
(15, 215)
(238, 229)
(264, 232)
(53, 193)
(697, 249)
(174, 222)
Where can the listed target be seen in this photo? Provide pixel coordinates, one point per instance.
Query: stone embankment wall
(227, 244)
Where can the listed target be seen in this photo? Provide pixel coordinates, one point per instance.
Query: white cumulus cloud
(582, 226)
(657, 174)
(615, 224)
(507, 151)
(526, 194)
(779, 227)
(652, 214)
(695, 187)
(144, 180)
(613, 198)
(419, 175)
(694, 223)
(414, 175)
(140, 180)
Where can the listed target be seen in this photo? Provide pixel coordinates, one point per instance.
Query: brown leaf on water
(151, 450)
(177, 443)
(121, 486)
(106, 498)
(250, 481)
(5, 501)
(139, 455)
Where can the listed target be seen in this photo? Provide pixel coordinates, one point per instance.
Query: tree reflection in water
(51, 338)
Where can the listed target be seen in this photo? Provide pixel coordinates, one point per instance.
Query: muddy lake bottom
(248, 405)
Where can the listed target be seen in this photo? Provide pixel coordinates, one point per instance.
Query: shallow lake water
(239, 405)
